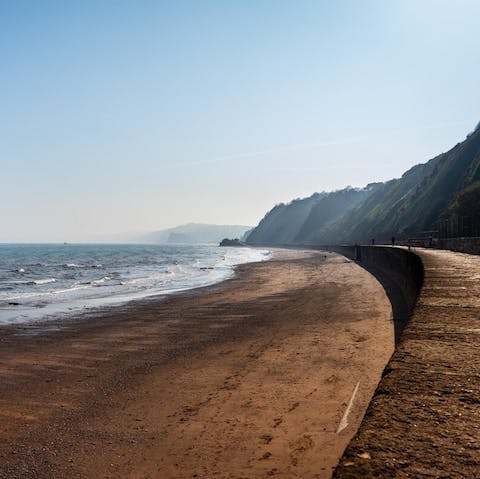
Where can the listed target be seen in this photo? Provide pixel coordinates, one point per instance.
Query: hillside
(400, 207)
(303, 219)
(284, 221)
(332, 206)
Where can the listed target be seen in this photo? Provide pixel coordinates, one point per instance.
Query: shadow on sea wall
(398, 270)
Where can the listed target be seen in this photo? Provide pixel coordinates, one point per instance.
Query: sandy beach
(266, 374)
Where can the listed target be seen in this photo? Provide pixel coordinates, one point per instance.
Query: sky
(130, 116)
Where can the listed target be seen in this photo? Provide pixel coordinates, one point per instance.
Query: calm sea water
(38, 281)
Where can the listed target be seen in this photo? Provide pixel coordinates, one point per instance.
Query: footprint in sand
(299, 447)
(332, 378)
(311, 393)
(293, 406)
(266, 438)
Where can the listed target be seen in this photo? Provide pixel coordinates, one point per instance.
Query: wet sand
(267, 374)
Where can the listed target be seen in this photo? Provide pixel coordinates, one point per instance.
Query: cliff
(304, 220)
(400, 207)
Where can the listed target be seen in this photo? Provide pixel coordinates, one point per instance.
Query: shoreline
(248, 377)
(75, 307)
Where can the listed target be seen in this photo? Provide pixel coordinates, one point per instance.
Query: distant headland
(231, 242)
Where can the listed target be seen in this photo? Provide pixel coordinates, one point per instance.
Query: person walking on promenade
(393, 240)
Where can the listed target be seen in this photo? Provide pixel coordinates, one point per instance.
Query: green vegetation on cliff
(447, 184)
(300, 220)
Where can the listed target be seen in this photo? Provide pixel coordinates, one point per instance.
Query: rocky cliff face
(400, 207)
(283, 222)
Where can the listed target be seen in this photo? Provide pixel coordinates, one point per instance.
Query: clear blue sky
(138, 115)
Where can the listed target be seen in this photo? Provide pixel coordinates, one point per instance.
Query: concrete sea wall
(400, 271)
(422, 421)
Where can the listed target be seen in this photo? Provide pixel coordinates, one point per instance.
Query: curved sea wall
(399, 271)
(422, 421)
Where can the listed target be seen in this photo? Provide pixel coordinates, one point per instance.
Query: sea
(42, 282)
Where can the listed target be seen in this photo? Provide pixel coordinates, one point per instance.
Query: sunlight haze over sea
(123, 116)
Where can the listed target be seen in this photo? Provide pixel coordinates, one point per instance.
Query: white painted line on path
(344, 421)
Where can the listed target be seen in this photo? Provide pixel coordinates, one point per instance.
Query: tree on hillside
(467, 201)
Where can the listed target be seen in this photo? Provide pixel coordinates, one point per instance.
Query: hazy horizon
(121, 116)
(137, 237)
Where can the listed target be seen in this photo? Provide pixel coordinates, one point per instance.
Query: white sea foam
(59, 279)
(76, 287)
(100, 281)
(44, 281)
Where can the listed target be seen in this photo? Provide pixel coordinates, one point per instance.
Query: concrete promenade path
(424, 420)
